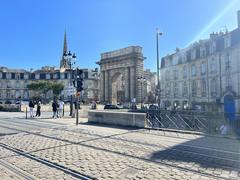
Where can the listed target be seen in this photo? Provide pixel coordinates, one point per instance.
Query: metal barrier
(207, 122)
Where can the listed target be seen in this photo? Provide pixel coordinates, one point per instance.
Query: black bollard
(63, 110)
(26, 112)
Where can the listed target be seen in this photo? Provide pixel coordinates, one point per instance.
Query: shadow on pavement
(205, 151)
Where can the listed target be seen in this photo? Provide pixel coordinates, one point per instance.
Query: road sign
(70, 90)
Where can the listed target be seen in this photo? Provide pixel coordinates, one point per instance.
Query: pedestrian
(54, 109)
(60, 109)
(38, 113)
(31, 107)
(223, 129)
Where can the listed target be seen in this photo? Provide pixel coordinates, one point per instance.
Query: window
(167, 75)
(17, 94)
(184, 72)
(17, 84)
(185, 89)
(203, 68)
(193, 70)
(4, 75)
(37, 76)
(213, 66)
(168, 89)
(212, 47)
(8, 84)
(47, 76)
(25, 95)
(13, 75)
(213, 87)
(203, 87)
(8, 75)
(62, 75)
(175, 74)
(42, 76)
(227, 62)
(202, 52)
(17, 76)
(66, 75)
(227, 41)
(8, 94)
(194, 88)
(55, 76)
(26, 76)
(193, 54)
(175, 90)
(0, 75)
(21, 75)
(25, 84)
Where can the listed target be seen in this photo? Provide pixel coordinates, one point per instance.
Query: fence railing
(207, 122)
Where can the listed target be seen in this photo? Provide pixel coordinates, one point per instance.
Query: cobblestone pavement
(105, 152)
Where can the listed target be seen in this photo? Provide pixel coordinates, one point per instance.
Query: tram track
(145, 159)
(42, 161)
(16, 171)
(167, 146)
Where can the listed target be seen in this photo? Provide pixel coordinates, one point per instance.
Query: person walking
(31, 107)
(38, 113)
(54, 109)
(60, 109)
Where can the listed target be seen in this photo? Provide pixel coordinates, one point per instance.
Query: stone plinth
(118, 118)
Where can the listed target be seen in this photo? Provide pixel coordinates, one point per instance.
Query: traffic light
(79, 78)
(79, 85)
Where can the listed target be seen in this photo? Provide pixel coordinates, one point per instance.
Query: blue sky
(31, 33)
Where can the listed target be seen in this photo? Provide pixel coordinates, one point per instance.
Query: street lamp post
(158, 33)
(70, 60)
(141, 79)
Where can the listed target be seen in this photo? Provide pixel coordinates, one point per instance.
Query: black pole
(77, 111)
(158, 83)
(71, 103)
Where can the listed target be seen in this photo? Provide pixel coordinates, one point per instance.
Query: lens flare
(206, 29)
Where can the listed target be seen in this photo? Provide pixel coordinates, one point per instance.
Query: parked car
(110, 106)
(153, 107)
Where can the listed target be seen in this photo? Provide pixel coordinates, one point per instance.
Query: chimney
(238, 18)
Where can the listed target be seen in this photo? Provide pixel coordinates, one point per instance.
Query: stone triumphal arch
(119, 72)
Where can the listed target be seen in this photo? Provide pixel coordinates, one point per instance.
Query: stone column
(106, 86)
(139, 73)
(126, 79)
(102, 80)
(129, 84)
(132, 83)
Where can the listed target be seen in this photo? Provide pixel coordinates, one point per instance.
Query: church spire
(63, 63)
(65, 42)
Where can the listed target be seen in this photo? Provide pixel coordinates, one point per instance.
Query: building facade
(205, 75)
(13, 82)
(91, 85)
(150, 86)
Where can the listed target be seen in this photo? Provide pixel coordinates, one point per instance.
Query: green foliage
(42, 87)
(57, 88)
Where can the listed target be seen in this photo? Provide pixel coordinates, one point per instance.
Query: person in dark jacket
(31, 107)
(38, 113)
(54, 108)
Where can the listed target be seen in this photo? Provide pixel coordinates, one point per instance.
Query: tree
(43, 87)
(57, 88)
